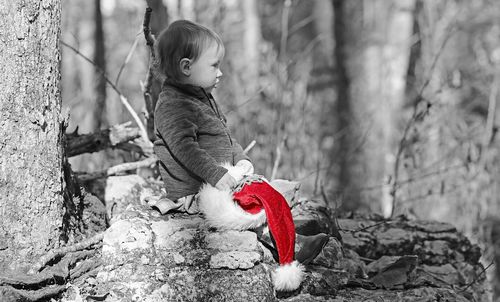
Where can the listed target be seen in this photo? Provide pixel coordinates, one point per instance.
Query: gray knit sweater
(193, 139)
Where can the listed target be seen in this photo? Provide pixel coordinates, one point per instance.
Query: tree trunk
(371, 58)
(31, 202)
(159, 21)
(99, 108)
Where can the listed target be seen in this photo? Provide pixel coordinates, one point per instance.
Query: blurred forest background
(386, 106)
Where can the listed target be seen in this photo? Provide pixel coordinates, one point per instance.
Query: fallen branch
(117, 169)
(367, 227)
(108, 138)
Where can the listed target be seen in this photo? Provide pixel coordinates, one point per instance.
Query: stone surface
(176, 257)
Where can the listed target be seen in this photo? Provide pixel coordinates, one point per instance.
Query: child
(193, 139)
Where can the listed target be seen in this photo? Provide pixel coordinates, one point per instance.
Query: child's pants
(187, 204)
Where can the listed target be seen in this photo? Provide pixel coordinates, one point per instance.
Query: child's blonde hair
(183, 39)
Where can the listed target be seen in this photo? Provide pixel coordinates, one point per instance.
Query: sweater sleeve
(176, 123)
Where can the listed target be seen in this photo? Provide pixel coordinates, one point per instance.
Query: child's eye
(216, 65)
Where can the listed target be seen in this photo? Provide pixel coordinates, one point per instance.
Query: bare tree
(31, 202)
(99, 108)
(372, 51)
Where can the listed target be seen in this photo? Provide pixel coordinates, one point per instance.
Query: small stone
(178, 258)
(160, 275)
(144, 259)
(102, 277)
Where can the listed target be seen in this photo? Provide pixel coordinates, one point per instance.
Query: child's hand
(226, 182)
(246, 165)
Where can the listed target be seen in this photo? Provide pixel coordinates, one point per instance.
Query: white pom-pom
(288, 277)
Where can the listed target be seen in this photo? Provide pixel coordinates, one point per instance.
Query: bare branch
(490, 120)
(123, 99)
(478, 276)
(83, 177)
(93, 142)
(150, 40)
(284, 29)
(416, 114)
(278, 157)
(127, 59)
(249, 147)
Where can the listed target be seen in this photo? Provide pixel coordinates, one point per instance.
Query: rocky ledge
(150, 257)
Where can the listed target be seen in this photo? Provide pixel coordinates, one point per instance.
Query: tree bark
(372, 51)
(31, 130)
(99, 108)
(159, 21)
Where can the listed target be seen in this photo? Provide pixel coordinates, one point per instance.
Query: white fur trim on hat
(222, 212)
(288, 277)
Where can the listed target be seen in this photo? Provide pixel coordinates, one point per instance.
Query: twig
(278, 158)
(152, 74)
(477, 277)
(249, 147)
(323, 194)
(316, 178)
(490, 120)
(127, 59)
(117, 169)
(284, 29)
(367, 227)
(248, 100)
(302, 23)
(150, 40)
(123, 99)
(63, 251)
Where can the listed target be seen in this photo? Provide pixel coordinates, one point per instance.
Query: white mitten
(246, 165)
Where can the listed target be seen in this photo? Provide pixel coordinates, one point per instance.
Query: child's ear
(185, 66)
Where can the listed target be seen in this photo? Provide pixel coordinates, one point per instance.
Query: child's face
(205, 71)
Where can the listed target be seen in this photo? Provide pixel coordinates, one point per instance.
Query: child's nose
(219, 73)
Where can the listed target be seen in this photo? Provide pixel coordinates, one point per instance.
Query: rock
(423, 294)
(396, 274)
(118, 192)
(289, 190)
(313, 217)
(177, 257)
(379, 264)
(331, 254)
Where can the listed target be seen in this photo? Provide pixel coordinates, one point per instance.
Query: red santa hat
(250, 206)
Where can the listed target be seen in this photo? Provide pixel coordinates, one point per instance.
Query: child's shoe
(308, 247)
